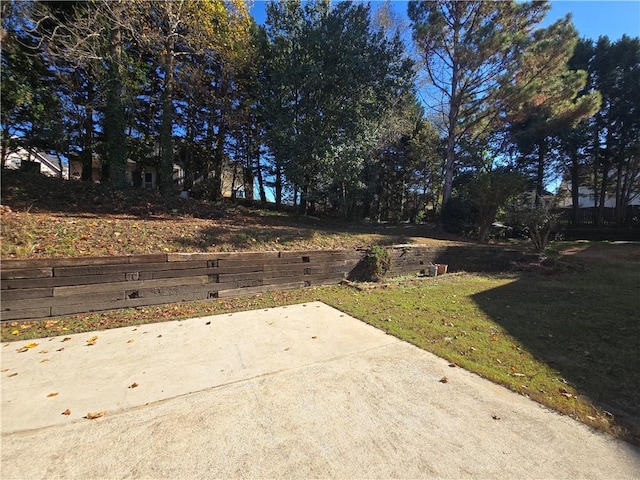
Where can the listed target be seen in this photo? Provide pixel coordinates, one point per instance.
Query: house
(137, 175)
(586, 197)
(33, 160)
(141, 175)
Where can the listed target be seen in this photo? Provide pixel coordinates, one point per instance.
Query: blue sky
(612, 18)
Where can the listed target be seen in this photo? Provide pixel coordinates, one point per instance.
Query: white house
(586, 197)
(27, 158)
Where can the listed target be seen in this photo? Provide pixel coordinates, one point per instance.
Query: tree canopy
(322, 107)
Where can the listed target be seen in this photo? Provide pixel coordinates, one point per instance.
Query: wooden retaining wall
(53, 287)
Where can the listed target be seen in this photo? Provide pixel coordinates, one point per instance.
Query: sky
(592, 18)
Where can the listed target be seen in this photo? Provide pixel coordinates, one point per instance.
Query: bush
(539, 222)
(373, 267)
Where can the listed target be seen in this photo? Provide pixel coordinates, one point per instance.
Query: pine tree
(471, 49)
(545, 99)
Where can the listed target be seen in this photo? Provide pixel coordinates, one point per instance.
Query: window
(148, 179)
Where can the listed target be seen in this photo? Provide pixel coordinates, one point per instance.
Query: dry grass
(45, 218)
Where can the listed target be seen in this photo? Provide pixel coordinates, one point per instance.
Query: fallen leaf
(517, 374)
(22, 350)
(208, 323)
(15, 332)
(92, 340)
(443, 380)
(495, 417)
(133, 385)
(565, 393)
(130, 341)
(453, 365)
(66, 339)
(44, 360)
(43, 351)
(53, 394)
(314, 337)
(159, 336)
(94, 415)
(31, 345)
(60, 349)
(13, 374)
(66, 412)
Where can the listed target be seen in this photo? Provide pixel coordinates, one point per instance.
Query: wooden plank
(289, 271)
(226, 256)
(107, 269)
(6, 274)
(25, 314)
(296, 253)
(64, 281)
(186, 273)
(230, 277)
(167, 291)
(147, 258)
(82, 261)
(69, 300)
(240, 292)
(25, 293)
(128, 303)
(210, 290)
(106, 287)
(247, 268)
(63, 262)
(306, 280)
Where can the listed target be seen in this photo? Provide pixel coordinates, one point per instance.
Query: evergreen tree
(330, 80)
(545, 99)
(471, 49)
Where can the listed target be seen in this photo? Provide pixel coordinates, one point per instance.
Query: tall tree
(330, 79)
(30, 109)
(471, 49)
(92, 37)
(173, 31)
(546, 97)
(616, 71)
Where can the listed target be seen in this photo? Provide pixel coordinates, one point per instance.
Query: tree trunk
(218, 161)
(278, 185)
(619, 210)
(87, 150)
(114, 122)
(5, 146)
(302, 209)
(575, 185)
(258, 171)
(454, 112)
(604, 184)
(542, 152)
(166, 127)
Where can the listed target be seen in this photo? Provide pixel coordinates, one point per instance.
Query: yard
(564, 333)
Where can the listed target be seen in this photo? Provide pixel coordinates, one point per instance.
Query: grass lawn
(567, 336)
